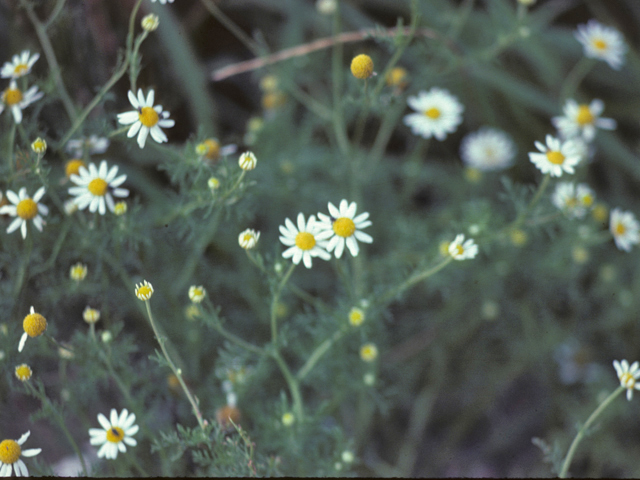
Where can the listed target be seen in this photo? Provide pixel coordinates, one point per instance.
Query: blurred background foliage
(474, 362)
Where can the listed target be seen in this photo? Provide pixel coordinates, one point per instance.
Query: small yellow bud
(150, 22)
(362, 66)
(39, 145)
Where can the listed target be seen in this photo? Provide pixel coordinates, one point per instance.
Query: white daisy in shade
(625, 229)
(345, 228)
(16, 100)
(25, 208)
(557, 156)
(163, 2)
(92, 145)
(19, 65)
(114, 433)
(10, 453)
(460, 249)
(628, 376)
(487, 149)
(602, 42)
(582, 120)
(145, 119)
(305, 240)
(574, 200)
(439, 113)
(97, 187)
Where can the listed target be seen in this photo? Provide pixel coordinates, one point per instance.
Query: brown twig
(319, 44)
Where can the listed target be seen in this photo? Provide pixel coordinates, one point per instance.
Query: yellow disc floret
(627, 380)
(98, 187)
(9, 452)
(305, 241)
(210, 149)
(144, 290)
(73, 167)
(584, 116)
(599, 44)
(23, 372)
(368, 352)
(148, 116)
(34, 324)
(555, 157)
(433, 113)
(344, 227)
(362, 66)
(115, 435)
(27, 209)
(356, 316)
(396, 77)
(620, 229)
(12, 96)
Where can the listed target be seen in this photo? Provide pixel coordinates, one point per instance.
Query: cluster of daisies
(15, 98)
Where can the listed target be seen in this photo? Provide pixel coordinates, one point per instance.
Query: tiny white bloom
(628, 376)
(19, 65)
(557, 156)
(345, 228)
(93, 145)
(163, 1)
(197, 294)
(326, 7)
(96, 187)
(248, 239)
(439, 113)
(461, 250)
(247, 161)
(602, 42)
(150, 22)
(625, 229)
(305, 240)
(10, 453)
(488, 149)
(17, 100)
(25, 208)
(582, 120)
(146, 119)
(572, 199)
(115, 432)
(91, 315)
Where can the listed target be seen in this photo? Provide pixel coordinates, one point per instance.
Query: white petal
(142, 136)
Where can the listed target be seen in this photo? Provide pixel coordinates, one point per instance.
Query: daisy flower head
(345, 228)
(163, 2)
(582, 119)
(197, 294)
(628, 376)
(10, 453)
(369, 352)
(25, 208)
(23, 372)
(572, 199)
(439, 113)
(144, 290)
(487, 149)
(16, 100)
(602, 43)
(19, 65)
(150, 22)
(305, 240)
(78, 272)
(92, 145)
(461, 250)
(96, 187)
(556, 157)
(39, 145)
(210, 149)
(146, 119)
(247, 161)
(362, 66)
(625, 229)
(356, 316)
(248, 239)
(91, 315)
(115, 432)
(33, 325)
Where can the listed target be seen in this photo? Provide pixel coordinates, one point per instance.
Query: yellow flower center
(20, 69)
(584, 117)
(555, 157)
(620, 229)
(459, 249)
(587, 200)
(368, 352)
(73, 167)
(27, 209)
(23, 372)
(34, 324)
(356, 317)
(98, 187)
(599, 44)
(212, 151)
(144, 291)
(9, 451)
(115, 435)
(433, 113)
(627, 380)
(396, 77)
(12, 96)
(362, 66)
(148, 116)
(305, 241)
(247, 237)
(344, 227)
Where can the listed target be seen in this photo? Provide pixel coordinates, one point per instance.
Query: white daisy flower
(17, 100)
(572, 199)
(248, 238)
(93, 145)
(345, 228)
(95, 187)
(163, 2)
(197, 293)
(602, 42)
(628, 376)
(114, 433)
(582, 120)
(19, 65)
(461, 250)
(625, 229)
(557, 156)
(10, 453)
(305, 240)
(25, 208)
(440, 113)
(488, 149)
(146, 118)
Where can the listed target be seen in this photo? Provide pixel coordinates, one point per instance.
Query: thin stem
(336, 80)
(575, 76)
(585, 427)
(238, 341)
(54, 13)
(231, 26)
(294, 387)
(177, 372)
(10, 146)
(318, 353)
(536, 198)
(274, 303)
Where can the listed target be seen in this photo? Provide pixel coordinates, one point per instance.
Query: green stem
(54, 13)
(232, 27)
(294, 387)
(237, 340)
(318, 353)
(177, 372)
(339, 128)
(575, 77)
(585, 427)
(10, 146)
(536, 198)
(274, 303)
